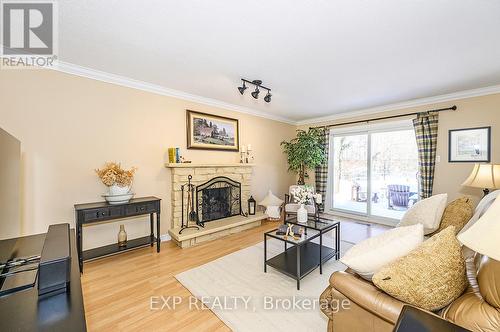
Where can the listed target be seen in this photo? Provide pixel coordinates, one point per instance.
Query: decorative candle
(249, 148)
(243, 148)
(319, 198)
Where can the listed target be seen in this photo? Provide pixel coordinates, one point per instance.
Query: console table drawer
(140, 208)
(102, 214)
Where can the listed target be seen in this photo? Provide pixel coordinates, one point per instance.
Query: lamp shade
(483, 236)
(484, 176)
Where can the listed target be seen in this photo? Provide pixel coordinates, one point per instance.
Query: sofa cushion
(427, 212)
(368, 256)
(429, 277)
(457, 214)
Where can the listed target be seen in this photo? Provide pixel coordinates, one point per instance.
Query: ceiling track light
(255, 93)
(242, 88)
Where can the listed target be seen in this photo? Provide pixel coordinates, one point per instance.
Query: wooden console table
(87, 214)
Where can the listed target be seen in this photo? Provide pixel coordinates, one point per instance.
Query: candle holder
(249, 155)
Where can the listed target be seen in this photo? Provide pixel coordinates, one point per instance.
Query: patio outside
(394, 169)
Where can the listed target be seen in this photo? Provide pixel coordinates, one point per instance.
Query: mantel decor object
(212, 132)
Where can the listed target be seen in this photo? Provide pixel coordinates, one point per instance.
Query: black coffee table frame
(304, 256)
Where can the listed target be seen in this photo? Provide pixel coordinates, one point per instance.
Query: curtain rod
(453, 108)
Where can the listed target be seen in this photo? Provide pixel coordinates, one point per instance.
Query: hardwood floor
(118, 289)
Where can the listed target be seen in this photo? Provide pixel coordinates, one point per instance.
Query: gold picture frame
(212, 132)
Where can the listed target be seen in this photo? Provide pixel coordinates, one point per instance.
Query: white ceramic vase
(302, 214)
(115, 190)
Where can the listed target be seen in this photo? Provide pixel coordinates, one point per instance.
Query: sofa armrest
(472, 312)
(367, 296)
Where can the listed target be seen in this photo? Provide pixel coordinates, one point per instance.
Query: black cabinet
(87, 214)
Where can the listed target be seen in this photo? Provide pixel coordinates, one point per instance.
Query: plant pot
(122, 237)
(115, 190)
(302, 214)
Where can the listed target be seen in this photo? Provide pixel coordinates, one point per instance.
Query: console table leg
(152, 227)
(158, 232)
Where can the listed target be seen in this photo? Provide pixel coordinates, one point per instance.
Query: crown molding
(86, 72)
(70, 68)
(406, 104)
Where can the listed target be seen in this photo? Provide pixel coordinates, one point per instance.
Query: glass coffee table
(304, 255)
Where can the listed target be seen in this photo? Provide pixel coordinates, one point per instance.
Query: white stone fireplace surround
(201, 173)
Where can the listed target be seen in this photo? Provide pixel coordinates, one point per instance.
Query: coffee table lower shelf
(286, 262)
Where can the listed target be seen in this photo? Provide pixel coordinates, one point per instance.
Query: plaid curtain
(426, 133)
(321, 172)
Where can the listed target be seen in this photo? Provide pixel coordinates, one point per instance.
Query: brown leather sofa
(354, 304)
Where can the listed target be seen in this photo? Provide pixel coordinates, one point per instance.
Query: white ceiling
(319, 57)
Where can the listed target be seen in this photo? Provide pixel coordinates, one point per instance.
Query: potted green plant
(304, 151)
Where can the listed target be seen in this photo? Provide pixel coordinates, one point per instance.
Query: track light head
(242, 89)
(255, 94)
(267, 98)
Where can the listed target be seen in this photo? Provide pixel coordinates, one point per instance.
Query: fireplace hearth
(218, 198)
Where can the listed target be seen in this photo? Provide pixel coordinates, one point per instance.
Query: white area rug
(258, 301)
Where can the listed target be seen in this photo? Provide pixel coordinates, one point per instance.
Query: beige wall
(472, 112)
(70, 125)
(10, 171)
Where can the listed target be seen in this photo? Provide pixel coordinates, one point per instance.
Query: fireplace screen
(218, 198)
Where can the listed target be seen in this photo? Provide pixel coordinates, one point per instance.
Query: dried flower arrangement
(113, 174)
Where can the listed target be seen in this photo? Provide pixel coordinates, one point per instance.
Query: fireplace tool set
(191, 214)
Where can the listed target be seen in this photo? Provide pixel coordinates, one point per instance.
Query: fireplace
(218, 198)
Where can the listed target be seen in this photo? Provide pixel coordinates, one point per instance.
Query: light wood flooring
(118, 289)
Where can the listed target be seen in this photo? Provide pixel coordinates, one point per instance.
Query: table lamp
(483, 236)
(484, 176)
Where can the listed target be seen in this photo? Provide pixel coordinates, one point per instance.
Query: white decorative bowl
(116, 190)
(118, 199)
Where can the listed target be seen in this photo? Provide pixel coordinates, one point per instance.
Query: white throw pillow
(370, 255)
(427, 212)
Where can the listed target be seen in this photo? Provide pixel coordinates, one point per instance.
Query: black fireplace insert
(218, 198)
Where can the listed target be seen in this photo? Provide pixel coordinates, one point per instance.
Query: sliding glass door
(374, 173)
(350, 173)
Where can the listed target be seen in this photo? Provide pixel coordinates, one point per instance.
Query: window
(374, 172)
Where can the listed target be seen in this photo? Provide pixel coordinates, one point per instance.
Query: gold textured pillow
(457, 214)
(429, 277)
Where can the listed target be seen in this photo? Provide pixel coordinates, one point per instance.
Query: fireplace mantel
(195, 165)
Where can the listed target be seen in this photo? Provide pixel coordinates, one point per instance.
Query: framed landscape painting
(212, 132)
(469, 145)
